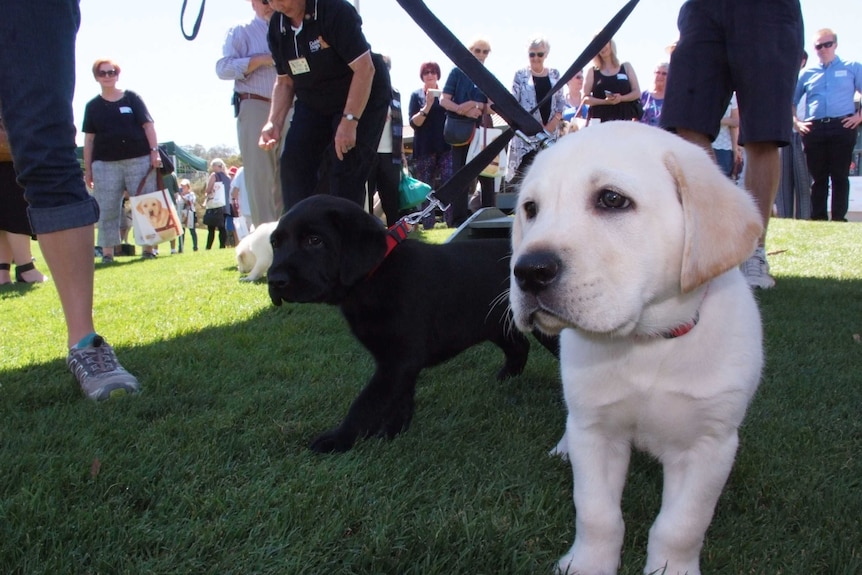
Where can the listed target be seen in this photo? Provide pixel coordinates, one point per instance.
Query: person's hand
(802, 127)
(851, 122)
(269, 135)
(345, 137)
(155, 159)
(613, 99)
(88, 179)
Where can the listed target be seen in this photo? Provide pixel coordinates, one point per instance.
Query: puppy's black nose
(536, 271)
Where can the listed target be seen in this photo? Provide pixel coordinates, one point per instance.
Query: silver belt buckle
(826, 120)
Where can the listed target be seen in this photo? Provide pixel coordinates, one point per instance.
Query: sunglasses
(828, 44)
(106, 73)
(264, 2)
(539, 54)
(481, 50)
(660, 73)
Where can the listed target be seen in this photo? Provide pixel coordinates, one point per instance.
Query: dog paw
(332, 441)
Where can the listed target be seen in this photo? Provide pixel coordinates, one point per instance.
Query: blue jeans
(37, 82)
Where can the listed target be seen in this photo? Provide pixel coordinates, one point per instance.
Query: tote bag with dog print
(484, 136)
(154, 216)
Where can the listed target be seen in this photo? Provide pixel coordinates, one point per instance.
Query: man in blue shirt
(829, 126)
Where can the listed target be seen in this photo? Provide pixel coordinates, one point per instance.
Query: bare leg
(69, 255)
(5, 258)
(21, 255)
(761, 177)
(697, 138)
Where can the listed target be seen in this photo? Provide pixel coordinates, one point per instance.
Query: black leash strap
(504, 103)
(196, 28)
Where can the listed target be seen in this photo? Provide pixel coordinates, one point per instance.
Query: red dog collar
(394, 236)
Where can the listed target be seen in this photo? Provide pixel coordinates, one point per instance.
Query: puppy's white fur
(254, 253)
(648, 235)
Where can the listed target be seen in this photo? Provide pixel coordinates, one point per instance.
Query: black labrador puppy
(411, 304)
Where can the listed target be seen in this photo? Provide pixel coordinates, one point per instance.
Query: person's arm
(732, 122)
(153, 141)
(88, 159)
(635, 92)
(282, 100)
(357, 99)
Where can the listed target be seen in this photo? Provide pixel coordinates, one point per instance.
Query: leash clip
(433, 204)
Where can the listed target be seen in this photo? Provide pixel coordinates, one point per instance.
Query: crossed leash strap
(521, 122)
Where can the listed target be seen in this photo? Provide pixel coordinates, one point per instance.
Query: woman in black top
(342, 96)
(120, 146)
(612, 89)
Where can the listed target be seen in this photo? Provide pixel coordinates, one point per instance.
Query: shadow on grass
(208, 471)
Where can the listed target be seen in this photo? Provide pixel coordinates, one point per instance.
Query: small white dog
(254, 253)
(627, 240)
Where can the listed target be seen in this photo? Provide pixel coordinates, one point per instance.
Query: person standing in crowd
(248, 62)
(36, 104)
(829, 126)
(432, 156)
(575, 107)
(120, 147)
(217, 194)
(752, 47)
(530, 85)
(652, 100)
(461, 97)
(386, 173)
(15, 230)
(725, 147)
(794, 187)
(339, 94)
(611, 87)
(186, 210)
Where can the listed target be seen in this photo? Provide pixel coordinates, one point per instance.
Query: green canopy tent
(183, 160)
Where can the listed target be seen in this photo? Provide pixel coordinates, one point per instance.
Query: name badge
(840, 73)
(125, 110)
(299, 66)
(622, 76)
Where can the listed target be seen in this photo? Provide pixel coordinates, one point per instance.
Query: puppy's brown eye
(311, 241)
(530, 209)
(613, 200)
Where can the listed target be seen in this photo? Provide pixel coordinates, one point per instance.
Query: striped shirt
(241, 43)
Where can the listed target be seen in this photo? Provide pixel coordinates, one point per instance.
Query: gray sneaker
(100, 374)
(756, 270)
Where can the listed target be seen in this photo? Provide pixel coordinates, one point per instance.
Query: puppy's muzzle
(536, 271)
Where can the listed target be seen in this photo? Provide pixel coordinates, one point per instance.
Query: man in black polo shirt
(342, 97)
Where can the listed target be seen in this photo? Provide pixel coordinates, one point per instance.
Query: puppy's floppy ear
(363, 244)
(140, 208)
(722, 222)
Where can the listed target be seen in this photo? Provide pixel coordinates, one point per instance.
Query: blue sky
(191, 105)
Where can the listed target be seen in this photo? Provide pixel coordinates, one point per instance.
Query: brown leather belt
(248, 96)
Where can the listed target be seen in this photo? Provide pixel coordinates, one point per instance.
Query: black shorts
(753, 47)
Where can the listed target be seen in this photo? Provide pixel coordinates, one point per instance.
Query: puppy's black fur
(417, 307)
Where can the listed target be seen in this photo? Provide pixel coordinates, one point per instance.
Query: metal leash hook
(433, 204)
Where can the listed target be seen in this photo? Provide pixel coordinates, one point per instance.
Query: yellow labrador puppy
(254, 253)
(626, 241)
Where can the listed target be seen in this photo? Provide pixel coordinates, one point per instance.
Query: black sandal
(22, 269)
(5, 268)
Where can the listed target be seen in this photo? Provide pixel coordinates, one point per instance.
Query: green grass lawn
(208, 471)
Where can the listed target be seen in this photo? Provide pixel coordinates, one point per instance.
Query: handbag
(214, 217)
(216, 200)
(411, 192)
(458, 130)
(499, 165)
(154, 215)
(167, 164)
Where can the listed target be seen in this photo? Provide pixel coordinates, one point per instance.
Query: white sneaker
(756, 270)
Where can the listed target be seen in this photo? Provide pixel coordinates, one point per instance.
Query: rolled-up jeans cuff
(59, 218)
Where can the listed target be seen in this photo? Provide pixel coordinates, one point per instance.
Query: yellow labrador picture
(626, 241)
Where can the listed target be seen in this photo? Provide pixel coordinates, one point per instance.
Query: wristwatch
(350, 117)
(156, 149)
